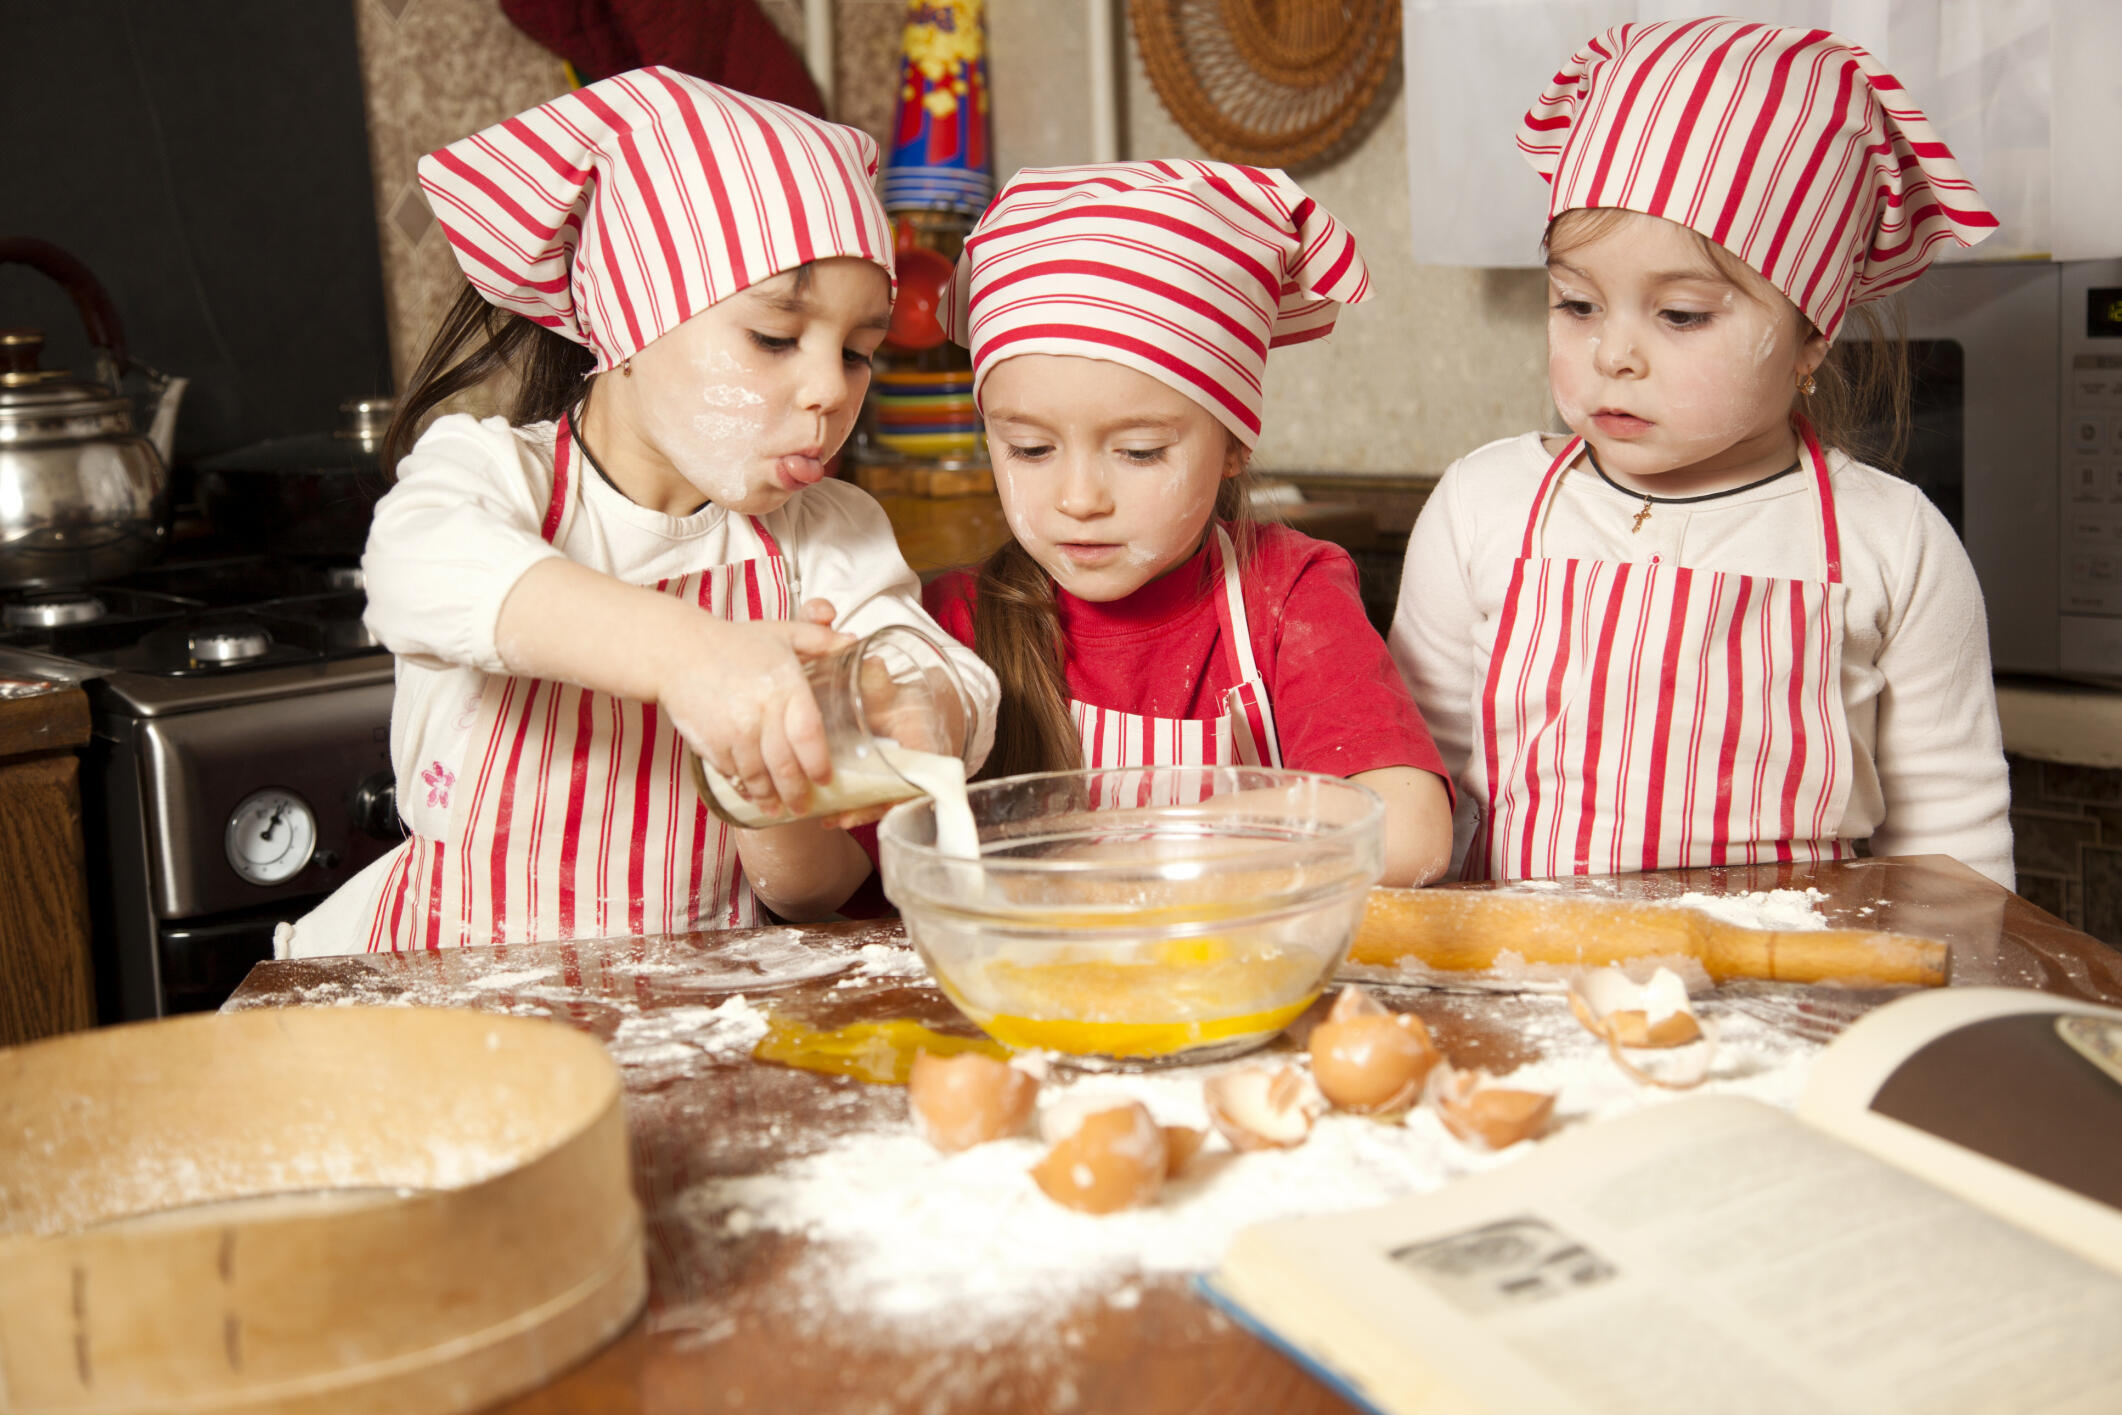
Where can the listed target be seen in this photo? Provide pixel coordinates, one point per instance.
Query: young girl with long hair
(687, 285)
(1699, 630)
(1119, 318)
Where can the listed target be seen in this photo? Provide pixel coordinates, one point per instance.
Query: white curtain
(2027, 94)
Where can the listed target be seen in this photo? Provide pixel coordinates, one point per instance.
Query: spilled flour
(1783, 909)
(883, 960)
(909, 1235)
(675, 1034)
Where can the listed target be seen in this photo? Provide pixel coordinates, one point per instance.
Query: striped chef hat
(1187, 271)
(616, 212)
(1791, 148)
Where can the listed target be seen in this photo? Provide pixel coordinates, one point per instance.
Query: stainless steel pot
(309, 495)
(83, 495)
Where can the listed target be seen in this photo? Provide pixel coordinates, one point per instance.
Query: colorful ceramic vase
(941, 157)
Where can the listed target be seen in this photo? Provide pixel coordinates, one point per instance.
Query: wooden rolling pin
(1462, 930)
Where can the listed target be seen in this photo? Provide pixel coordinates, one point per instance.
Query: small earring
(1806, 385)
(626, 368)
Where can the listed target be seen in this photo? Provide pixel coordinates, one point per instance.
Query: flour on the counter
(503, 982)
(668, 967)
(909, 1234)
(1782, 909)
(675, 1034)
(883, 960)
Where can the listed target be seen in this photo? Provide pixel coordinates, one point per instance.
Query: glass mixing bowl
(1148, 913)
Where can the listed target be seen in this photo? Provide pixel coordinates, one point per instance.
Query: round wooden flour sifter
(360, 1209)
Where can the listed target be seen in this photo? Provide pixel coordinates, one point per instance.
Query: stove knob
(374, 806)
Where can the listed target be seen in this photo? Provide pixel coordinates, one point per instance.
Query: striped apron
(574, 816)
(1644, 716)
(1244, 735)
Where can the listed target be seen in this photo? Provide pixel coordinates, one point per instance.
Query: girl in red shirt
(1119, 318)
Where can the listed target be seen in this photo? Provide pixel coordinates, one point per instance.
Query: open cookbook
(1938, 1228)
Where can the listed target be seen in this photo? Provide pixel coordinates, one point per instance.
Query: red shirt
(1339, 703)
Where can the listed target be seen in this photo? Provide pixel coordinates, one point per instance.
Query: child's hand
(927, 714)
(737, 695)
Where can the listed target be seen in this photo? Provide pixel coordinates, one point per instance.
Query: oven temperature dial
(271, 836)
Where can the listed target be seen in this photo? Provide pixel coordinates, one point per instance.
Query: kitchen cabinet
(45, 982)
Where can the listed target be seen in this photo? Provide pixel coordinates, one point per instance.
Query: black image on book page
(2012, 1089)
(1506, 1263)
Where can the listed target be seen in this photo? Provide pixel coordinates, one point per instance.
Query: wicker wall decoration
(1273, 83)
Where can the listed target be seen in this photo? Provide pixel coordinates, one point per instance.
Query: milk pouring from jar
(892, 707)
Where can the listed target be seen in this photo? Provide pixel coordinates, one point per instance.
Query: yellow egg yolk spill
(882, 1052)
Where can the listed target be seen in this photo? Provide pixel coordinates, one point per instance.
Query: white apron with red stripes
(574, 815)
(1643, 716)
(1244, 735)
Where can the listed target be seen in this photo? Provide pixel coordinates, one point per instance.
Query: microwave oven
(2016, 435)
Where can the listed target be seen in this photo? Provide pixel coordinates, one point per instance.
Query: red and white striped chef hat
(1791, 148)
(1187, 271)
(616, 212)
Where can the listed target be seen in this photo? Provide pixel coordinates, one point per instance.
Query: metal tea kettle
(83, 495)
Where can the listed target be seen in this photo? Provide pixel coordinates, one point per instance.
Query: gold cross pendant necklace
(1635, 525)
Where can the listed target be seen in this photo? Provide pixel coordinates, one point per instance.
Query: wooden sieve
(360, 1209)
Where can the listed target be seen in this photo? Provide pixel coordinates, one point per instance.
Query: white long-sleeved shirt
(460, 528)
(1929, 774)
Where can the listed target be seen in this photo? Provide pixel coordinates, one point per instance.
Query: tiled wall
(2067, 842)
(434, 70)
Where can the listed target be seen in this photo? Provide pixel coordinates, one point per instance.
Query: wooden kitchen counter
(731, 1323)
(46, 985)
(938, 533)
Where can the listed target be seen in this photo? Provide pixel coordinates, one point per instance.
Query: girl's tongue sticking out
(798, 470)
(743, 403)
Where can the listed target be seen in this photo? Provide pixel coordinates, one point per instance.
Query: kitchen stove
(240, 764)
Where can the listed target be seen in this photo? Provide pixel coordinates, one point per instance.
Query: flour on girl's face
(716, 438)
(746, 400)
(1108, 477)
(1709, 365)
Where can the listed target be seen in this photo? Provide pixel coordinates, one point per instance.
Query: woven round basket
(1272, 83)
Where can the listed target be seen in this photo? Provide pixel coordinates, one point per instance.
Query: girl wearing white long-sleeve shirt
(1695, 631)
(687, 285)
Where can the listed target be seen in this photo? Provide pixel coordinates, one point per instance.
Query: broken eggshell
(961, 1101)
(1615, 1008)
(1368, 1060)
(1479, 1110)
(1111, 1155)
(1263, 1107)
(1181, 1144)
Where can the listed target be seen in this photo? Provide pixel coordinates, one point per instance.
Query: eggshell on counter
(1181, 1144)
(1263, 1107)
(1481, 1112)
(968, 1099)
(1368, 1060)
(1109, 1158)
(1613, 1006)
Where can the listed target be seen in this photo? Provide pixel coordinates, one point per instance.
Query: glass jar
(891, 703)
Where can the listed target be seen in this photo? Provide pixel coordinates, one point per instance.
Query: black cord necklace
(1650, 501)
(574, 430)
